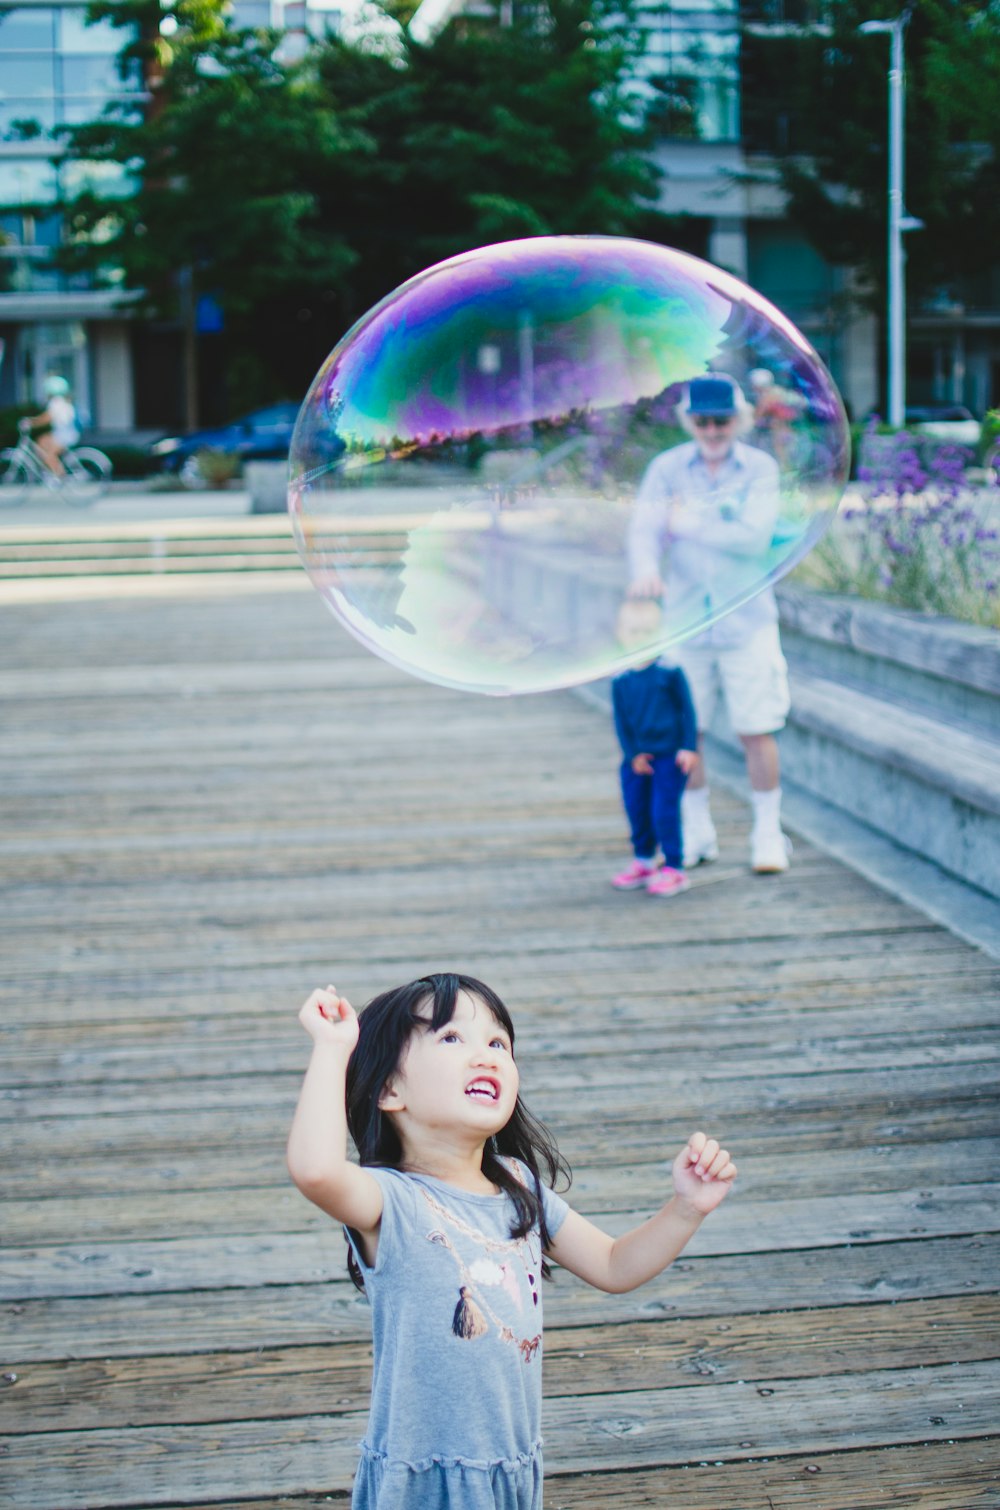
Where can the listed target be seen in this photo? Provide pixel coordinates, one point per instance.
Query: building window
(55, 70)
(691, 69)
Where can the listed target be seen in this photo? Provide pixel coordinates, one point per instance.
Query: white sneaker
(700, 843)
(770, 851)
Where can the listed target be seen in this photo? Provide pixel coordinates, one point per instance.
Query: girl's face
(459, 1077)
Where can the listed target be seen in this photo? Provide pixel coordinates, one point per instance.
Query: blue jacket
(654, 712)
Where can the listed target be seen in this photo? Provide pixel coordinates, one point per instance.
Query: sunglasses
(713, 421)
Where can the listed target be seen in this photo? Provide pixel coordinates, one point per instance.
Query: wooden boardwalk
(212, 802)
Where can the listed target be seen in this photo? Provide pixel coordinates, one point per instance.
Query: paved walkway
(212, 801)
(42, 507)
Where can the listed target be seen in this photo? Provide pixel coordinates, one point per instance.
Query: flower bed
(914, 534)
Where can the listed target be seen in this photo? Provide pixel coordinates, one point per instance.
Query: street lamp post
(899, 221)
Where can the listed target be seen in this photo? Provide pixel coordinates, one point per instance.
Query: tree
(297, 197)
(820, 101)
(227, 169)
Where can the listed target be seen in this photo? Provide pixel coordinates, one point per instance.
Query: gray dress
(455, 1420)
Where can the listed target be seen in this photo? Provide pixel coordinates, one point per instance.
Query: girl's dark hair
(386, 1025)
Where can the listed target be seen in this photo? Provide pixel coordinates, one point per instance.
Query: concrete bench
(896, 720)
(928, 786)
(943, 667)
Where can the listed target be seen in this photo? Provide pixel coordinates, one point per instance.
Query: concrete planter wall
(267, 484)
(896, 720)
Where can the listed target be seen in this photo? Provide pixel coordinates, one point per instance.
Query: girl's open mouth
(483, 1089)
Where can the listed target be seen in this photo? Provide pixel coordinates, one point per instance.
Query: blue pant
(653, 808)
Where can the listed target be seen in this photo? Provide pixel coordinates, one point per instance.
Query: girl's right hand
(330, 1019)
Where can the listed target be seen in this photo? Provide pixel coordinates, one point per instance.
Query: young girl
(450, 1226)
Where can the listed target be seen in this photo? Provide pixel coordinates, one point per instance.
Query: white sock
(767, 808)
(696, 801)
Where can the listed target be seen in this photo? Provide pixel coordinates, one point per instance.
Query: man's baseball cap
(711, 395)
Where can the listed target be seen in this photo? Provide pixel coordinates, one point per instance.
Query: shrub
(131, 461)
(917, 537)
(9, 419)
(217, 468)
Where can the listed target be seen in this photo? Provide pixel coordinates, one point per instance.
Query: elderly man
(711, 504)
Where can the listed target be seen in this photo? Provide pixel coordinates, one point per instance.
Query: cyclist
(57, 422)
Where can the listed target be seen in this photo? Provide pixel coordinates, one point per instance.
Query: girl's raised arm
(703, 1174)
(317, 1143)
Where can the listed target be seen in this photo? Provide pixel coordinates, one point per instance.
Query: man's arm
(742, 523)
(647, 528)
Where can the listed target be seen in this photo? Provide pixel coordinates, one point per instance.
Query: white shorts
(752, 676)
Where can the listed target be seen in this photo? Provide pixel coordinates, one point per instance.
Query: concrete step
(947, 669)
(264, 544)
(927, 785)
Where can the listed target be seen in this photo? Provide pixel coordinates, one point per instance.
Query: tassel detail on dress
(469, 1320)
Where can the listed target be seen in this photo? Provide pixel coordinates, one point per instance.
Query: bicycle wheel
(15, 479)
(88, 475)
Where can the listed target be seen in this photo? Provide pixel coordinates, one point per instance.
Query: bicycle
(22, 467)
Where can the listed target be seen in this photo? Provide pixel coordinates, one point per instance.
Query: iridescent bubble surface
(474, 481)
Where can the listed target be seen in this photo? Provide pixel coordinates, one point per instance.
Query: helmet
(56, 385)
(761, 378)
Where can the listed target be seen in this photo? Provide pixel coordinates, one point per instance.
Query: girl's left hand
(703, 1173)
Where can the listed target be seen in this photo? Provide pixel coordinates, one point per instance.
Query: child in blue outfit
(658, 732)
(450, 1227)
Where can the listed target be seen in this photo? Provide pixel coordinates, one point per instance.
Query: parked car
(945, 422)
(261, 435)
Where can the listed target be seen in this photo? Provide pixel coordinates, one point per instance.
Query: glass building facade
(56, 71)
(692, 67)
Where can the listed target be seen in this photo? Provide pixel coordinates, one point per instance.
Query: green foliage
(9, 418)
(934, 558)
(831, 90)
(217, 468)
(131, 461)
(297, 197)
(989, 435)
(914, 533)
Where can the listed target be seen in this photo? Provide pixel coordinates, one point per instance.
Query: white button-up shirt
(718, 528)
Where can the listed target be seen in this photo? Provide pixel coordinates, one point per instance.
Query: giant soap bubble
(474, 486)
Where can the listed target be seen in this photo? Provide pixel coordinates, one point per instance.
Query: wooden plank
(274, 1206)
(844, 1037)
(192, 1388)
(295, 1245)
(157, 1182)
(148, 1056)
(50, 1156)
(940, 1476)
(968, 1000)
(328, 1308)
(789, 1094)
(945, 1476)
(617, 1431)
